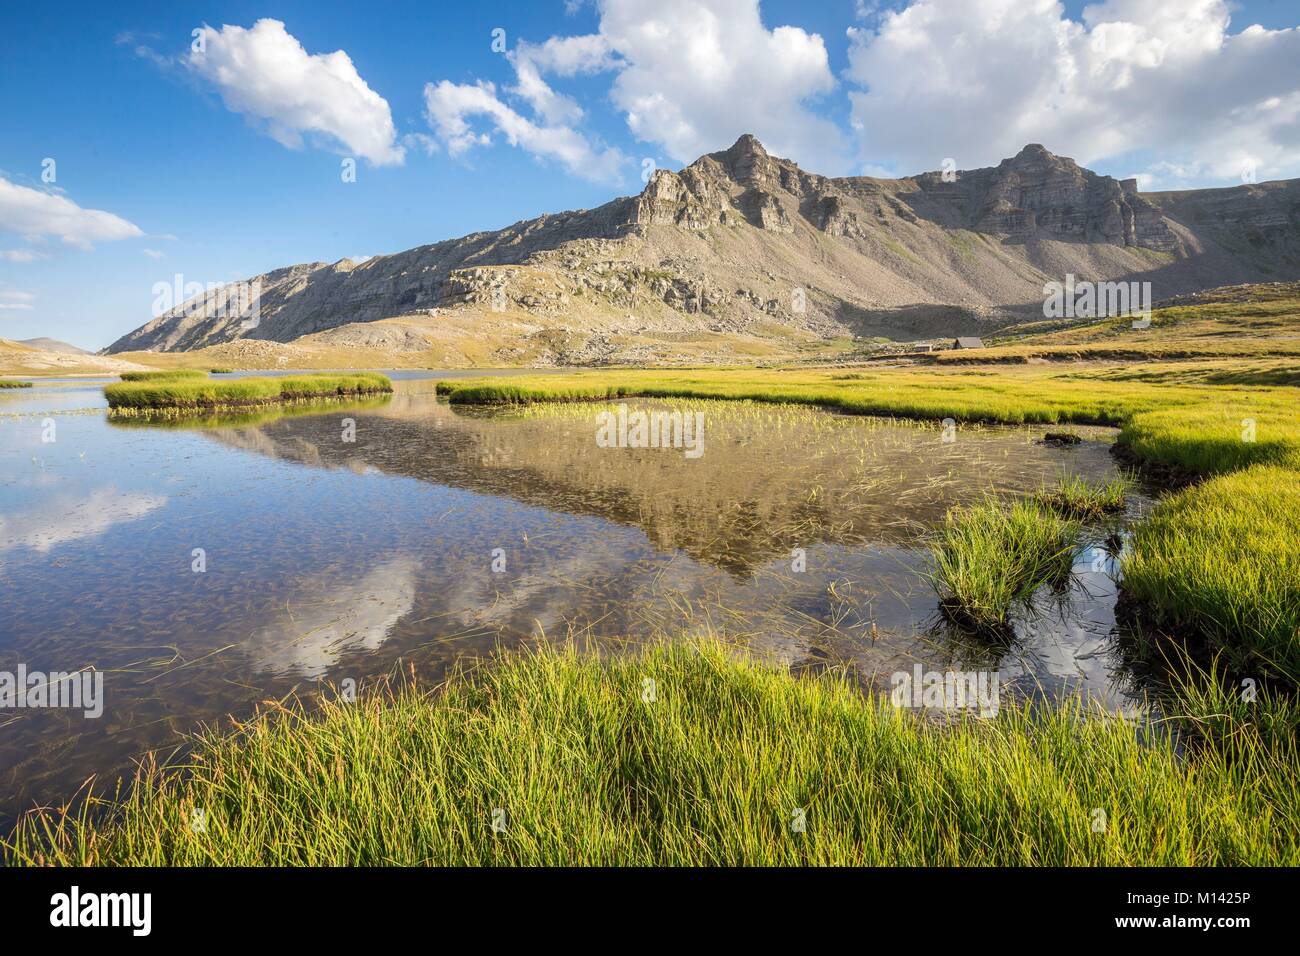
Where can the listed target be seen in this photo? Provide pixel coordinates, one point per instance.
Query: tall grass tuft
(718, 766)
(989, 556)
(1076, 497)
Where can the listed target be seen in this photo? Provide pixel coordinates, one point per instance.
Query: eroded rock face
(1262, 216)
(834, 216)
(1037, 193)
(724, 243)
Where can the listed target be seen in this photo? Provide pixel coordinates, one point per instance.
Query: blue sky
(221, 165)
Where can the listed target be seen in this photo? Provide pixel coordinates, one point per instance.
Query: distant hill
(25, 358)
(53, 345)
(742, 255)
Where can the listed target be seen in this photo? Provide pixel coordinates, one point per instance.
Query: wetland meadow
(381, 598)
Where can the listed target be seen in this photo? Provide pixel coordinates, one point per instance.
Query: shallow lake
(348, 542)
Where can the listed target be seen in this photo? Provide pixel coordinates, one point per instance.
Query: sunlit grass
(991, 555)
(684, 754)
(187, 392)
(1076, 497)
(1221, 560)
(1219, 436)
(163, 375)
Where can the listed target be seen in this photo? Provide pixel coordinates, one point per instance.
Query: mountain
(743, 255)
(53, 345)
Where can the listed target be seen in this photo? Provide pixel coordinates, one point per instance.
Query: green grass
(990, 556)
(1212, 707)
(163, 375)
(1221, 560)
(10, 383)
(710, 772)
(1218, 437)
(187, 393)
(242, 417)
(1076, 497)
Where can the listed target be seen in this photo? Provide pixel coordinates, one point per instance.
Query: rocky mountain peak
(1033, 152)
(747, 162)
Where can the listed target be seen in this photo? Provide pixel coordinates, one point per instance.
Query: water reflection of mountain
(771, 478)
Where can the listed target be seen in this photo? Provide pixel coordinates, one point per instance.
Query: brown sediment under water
(348, 542)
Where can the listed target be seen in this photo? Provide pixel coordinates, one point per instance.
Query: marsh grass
(1220, 560)
(10, 383)
(1077, 497)
(188, 393)
(1214, 707)
(163, 375)
(217, 417)
(710, 771)
(990, 556)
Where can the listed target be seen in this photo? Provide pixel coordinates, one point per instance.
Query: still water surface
(329, 559)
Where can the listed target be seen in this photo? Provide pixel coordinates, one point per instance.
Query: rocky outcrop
(1038, 194)
(1258, 219)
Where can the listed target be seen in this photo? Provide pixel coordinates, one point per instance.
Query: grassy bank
(1222, 560)
(187, 391)
(714, 769)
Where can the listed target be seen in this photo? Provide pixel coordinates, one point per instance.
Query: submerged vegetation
(989, 556)
(187, 392)
(1190, 429)
(729, 762)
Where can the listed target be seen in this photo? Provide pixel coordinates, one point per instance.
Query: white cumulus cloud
(688, 76)
(449, 105)
(976, 80)
(36, 214)
(698, 73)
(264, 73)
